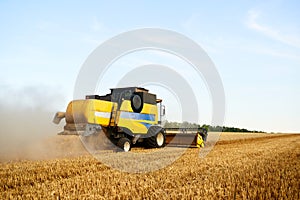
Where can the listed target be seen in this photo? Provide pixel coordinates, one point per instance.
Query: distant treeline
(207, 127)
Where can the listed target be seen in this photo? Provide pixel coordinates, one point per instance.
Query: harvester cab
(125, 115)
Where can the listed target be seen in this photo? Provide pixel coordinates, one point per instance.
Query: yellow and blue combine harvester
(126, 116)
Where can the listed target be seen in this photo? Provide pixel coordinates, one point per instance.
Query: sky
(255, 46)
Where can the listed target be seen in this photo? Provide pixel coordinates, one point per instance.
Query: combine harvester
(126, 116)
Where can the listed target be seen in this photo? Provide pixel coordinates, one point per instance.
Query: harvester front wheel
(157, 141)
(125, 144)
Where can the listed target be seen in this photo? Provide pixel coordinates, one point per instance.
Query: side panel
(100, 112)
(89, 111)
(137, 123)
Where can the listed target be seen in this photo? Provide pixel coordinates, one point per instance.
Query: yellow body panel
(137, 122)
(105, 113)
(90, 111)
(147, 108)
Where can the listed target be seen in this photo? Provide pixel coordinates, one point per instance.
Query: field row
(267, 168)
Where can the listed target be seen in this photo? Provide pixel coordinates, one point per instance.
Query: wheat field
(240, 166)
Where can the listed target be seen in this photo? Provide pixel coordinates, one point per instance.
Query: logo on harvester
(130, 118)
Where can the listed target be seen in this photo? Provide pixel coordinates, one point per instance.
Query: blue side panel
(137, 116)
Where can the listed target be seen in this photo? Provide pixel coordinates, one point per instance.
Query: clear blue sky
(255, 46)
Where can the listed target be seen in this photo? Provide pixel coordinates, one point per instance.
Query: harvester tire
(137, 103)
(125, 144)
(157, 141)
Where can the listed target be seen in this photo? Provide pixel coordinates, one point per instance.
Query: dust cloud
(26, 128)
